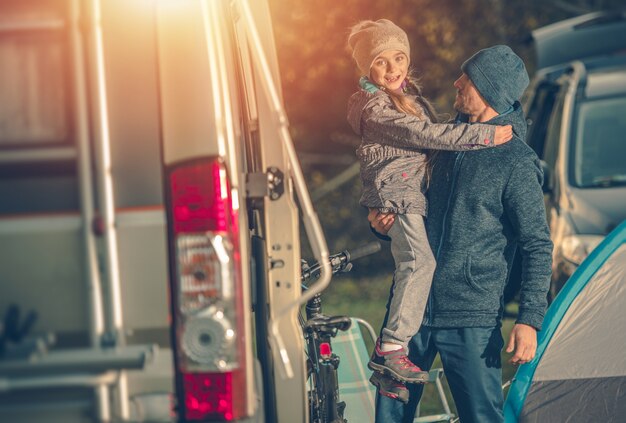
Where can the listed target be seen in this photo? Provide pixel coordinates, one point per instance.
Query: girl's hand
(503, 134)
(381, 222)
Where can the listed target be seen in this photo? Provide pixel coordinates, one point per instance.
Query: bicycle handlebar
(340, 261)
(366, 250)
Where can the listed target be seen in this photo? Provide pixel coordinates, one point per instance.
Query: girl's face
(389, 69)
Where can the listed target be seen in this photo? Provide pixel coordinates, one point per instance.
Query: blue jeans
(472, 365)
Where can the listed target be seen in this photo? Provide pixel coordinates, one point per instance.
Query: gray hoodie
(483, 206)
(392, 150)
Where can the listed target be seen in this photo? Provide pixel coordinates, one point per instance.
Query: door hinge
(269, 184)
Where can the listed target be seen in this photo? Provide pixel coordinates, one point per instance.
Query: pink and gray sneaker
(389, 387)
(396, 365)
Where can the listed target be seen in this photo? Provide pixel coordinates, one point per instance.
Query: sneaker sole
(402, 395)
(421, 377)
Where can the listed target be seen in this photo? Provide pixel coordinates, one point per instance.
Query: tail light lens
(206, 301)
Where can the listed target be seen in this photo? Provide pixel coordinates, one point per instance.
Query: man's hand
(503, 134)
(523, 340)
(381, 222)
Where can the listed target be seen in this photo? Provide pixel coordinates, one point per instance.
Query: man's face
(468, 100)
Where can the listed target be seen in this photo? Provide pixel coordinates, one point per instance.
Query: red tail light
(325, 350)
(207, 303)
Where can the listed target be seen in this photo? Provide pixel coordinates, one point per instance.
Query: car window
(551, 147)
(538, 114)
(600, 150)
(34, 68)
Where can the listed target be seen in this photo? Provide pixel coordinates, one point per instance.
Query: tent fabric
(579, 371)
(586, 345)
(576, 400)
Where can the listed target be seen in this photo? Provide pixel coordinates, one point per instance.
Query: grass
(366, 298)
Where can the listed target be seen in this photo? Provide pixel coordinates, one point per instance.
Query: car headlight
(576, 248)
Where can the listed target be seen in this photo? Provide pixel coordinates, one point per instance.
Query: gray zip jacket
(391, 151)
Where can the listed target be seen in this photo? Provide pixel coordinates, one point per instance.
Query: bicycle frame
(322, 364)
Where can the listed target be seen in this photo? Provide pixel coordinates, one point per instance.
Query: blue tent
(579, 371)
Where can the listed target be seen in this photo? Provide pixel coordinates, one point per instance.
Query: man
(483, 204)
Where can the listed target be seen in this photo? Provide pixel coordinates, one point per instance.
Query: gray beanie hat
(368, 39)
(499, 75)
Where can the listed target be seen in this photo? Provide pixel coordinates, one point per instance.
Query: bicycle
(318, 329)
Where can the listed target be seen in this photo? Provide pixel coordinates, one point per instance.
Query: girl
(396, 125)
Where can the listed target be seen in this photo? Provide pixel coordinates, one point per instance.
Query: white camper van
(149, 232)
